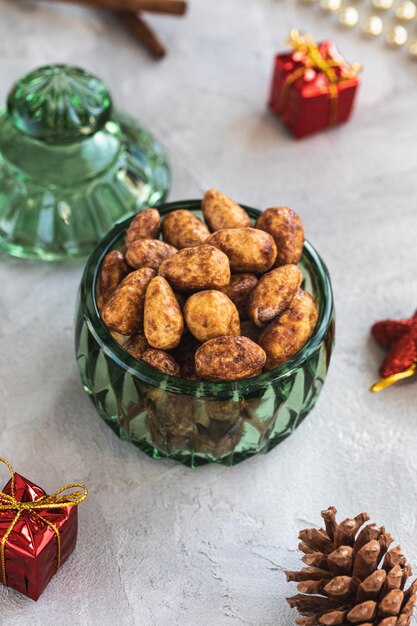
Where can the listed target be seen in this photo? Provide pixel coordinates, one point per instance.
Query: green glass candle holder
(70, 166)
(197, 422)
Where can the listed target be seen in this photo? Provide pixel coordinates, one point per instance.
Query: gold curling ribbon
(54, 501)
(313, 59)
(394, 378)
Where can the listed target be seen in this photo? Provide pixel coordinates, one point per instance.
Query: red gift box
(37, 533)
(313, 87)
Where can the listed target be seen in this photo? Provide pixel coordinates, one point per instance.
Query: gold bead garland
(382, 5)
(331, 5)
(394, 19)
(406, 11)
(348, 17)
(412, 49)
(397, 36)
(372, 26)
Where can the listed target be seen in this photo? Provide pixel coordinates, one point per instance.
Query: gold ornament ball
(331, 5)
(406, 11)
(348, 17)
(397, 36)
(307, 1)
(412, 50)
(373, 26)
(382, 5)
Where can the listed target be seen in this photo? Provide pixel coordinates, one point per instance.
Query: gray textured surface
(160, 545)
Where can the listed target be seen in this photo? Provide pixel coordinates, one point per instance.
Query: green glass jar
(197, 422)
(70, 166)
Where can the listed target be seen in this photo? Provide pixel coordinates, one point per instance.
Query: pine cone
(351, 577)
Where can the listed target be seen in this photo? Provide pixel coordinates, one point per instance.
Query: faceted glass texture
(70, 166)
(196, 422)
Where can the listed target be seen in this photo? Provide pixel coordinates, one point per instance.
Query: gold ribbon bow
(54, 501)
(313, 59)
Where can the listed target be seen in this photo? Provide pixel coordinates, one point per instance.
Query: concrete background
(159, 544)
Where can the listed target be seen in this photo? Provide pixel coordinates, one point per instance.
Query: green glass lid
(59, 103)
(70, 165)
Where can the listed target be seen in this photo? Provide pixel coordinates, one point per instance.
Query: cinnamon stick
(141, 31)
(171, 7)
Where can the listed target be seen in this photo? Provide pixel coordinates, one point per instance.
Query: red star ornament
(399, 337)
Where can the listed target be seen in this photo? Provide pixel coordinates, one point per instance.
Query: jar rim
(176, 384)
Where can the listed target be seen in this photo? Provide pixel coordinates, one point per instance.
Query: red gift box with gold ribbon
(38, 532)
(313, 86)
